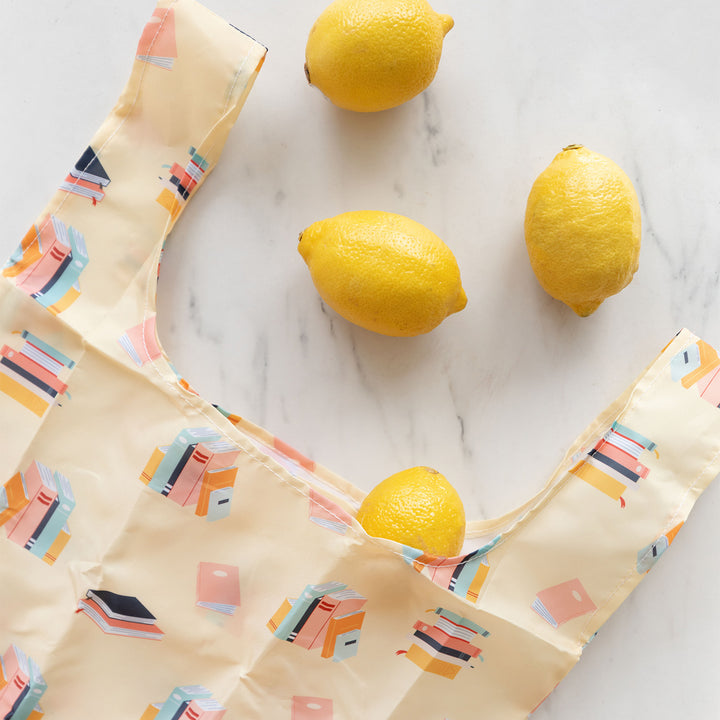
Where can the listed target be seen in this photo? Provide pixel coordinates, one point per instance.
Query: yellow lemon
(582, 229)
(369, 55)
(416, 507)
(383, 271)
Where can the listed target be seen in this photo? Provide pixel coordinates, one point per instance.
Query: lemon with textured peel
(417, 507)
(582, 229)
(370, 55)
(383, 271)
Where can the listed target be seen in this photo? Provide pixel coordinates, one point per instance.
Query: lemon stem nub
(307, 74)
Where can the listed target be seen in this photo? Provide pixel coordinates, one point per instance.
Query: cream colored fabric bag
(161, 558)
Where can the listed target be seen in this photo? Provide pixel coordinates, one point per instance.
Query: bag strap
(108, 220)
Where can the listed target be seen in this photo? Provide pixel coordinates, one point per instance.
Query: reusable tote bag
(162, 558)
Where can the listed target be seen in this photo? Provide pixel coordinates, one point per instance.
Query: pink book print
(709, 387)
(140, 342)
(157, 42)
(311, 708)
(327, 514)
(203, 709)
(54, 246)
(42, 491)
(218, 587)
(560, 603)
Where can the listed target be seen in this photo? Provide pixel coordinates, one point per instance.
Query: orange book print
(15, 497)
(342, 636)
(214, 480)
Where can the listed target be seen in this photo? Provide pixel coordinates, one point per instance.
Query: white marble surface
(494, 395)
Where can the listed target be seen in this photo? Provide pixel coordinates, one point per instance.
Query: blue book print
(58, 519)
(175, 453)
(285, 628)
(346, 645)
(178, 697)
(36, 688)
(219, 504)
(70, 275)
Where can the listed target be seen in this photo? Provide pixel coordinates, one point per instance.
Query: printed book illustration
(48, 262)
(182, 381)
(157, 42)
(464, 575)
(87, 178)
(650, 554)
(119, 614)
(698, 366)
(197, 468)
(311, 708)
(328, 514)
(34, 509)
(21, 686)
(182, 182)
(186, 702)
(30, 375)
(291, 460)
(445, 647)
(140, 342)
(328, 616)
(218, 587)
(563, 602)
(613, 466)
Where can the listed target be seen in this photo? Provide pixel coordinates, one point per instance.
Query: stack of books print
(327, 616)
(187, 702)
(445, 647)
(48, 262)
(21, 686)
(34, 510)
(198, 469)
(182, 182)
(88, 178)
(30, 375)
(120, 615)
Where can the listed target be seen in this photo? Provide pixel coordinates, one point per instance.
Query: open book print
(87, 178)
(118, 614)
